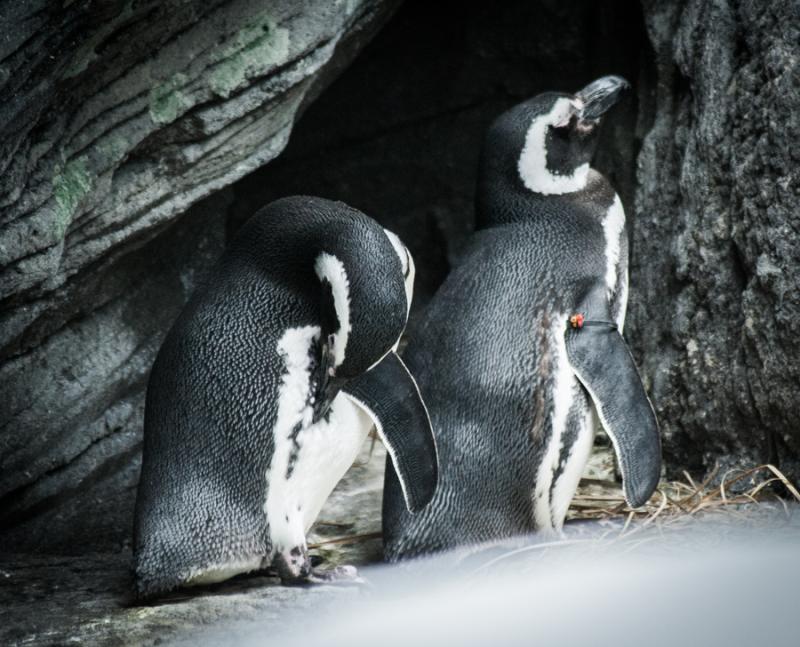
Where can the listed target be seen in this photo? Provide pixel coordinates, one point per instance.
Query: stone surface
(86, 598)
(714, 312)
(115, 117)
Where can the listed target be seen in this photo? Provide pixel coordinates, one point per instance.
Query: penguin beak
(329, 384)
(599, 96)
(330, 389)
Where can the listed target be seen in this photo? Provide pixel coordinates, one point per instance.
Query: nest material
(674, 501)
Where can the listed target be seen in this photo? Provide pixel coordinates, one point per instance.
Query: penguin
(521, 348)
(265, 389)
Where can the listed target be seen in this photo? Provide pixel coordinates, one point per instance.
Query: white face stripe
(613, 226)
(532, 165)
(330, 268)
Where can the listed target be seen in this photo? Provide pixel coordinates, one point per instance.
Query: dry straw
(674, 501)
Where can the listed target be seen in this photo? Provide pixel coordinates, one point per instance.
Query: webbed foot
(296, 568)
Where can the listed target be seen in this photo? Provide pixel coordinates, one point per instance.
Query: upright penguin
(522, 343)
(264, 390)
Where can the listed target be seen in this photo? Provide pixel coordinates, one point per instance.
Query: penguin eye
(562, 131)
(564, 126)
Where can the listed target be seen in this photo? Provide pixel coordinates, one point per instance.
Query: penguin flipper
(603, 364)
(389, 395)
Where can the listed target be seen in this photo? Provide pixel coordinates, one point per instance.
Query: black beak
(326, 395)
(326, 383)
(600, 95)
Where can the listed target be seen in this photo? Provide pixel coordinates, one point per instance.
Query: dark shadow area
(399, 133)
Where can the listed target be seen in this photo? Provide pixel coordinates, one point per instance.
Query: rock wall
(115, 118)
(715, 300)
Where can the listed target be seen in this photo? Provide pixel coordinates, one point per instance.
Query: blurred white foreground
(729, 581)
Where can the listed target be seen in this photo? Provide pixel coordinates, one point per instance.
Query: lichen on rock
(168, 101)
(71, 185)
(253, 51)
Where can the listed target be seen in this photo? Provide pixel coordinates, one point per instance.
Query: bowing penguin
(265, 389)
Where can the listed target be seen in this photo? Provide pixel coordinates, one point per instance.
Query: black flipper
(604, 365)
(389, 395)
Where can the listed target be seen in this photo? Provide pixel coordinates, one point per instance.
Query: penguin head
(366, 302)
(549, 140)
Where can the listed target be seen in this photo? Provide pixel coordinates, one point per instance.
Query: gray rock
(714, 312)
(399, 135)
(87, 599)
(115, 118)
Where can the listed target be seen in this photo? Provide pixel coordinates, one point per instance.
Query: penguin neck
(507, 200)
(597, 190)
(540, 179)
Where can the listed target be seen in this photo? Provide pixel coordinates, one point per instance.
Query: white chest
(309, 459)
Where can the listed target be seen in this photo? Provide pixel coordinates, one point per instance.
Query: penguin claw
(339, 575)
